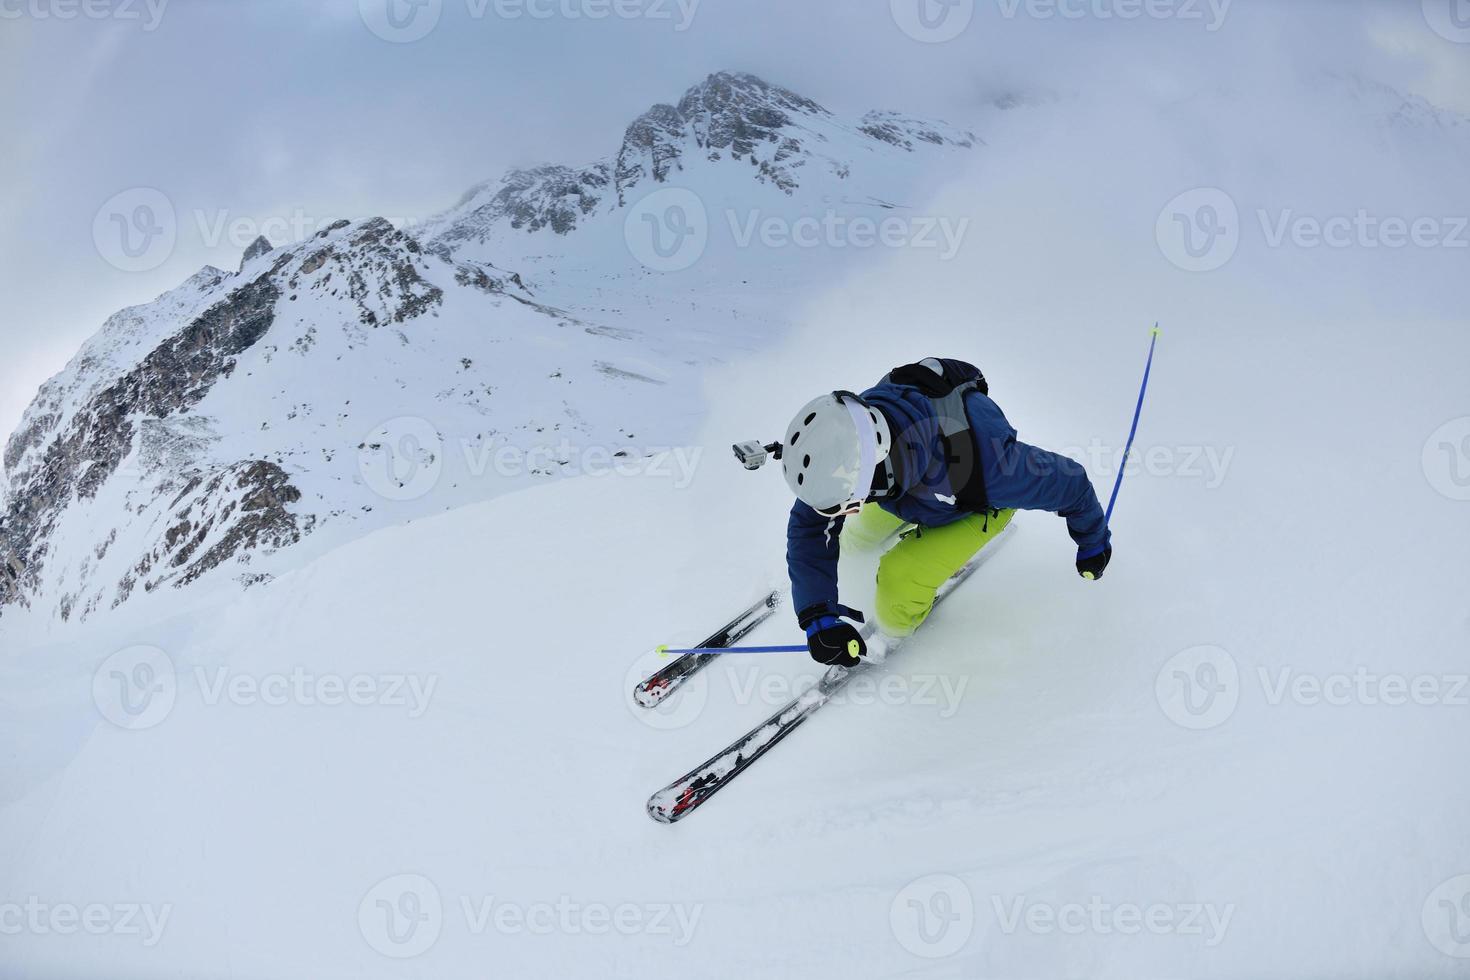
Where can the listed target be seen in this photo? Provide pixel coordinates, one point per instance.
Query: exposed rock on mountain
(257, 248)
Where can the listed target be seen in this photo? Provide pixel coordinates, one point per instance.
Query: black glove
(1092, 568)
(834, 643)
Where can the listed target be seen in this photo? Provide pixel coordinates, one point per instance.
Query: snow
(524, 775)
(1033, 783)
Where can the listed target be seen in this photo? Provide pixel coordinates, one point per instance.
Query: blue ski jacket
(1016, 476)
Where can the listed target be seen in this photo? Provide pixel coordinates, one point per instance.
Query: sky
(250, 116)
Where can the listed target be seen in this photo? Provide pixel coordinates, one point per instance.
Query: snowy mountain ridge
(241, 417)
(132, 394)
(787, 141)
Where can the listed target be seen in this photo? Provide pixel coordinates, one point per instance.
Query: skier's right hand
(834, 643)
(1091, 567)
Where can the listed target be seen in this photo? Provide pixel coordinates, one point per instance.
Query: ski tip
(658, 812)
(673, 803)
(648, 696)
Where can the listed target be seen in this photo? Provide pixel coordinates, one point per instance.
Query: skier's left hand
(1092, 567)
(834, 643)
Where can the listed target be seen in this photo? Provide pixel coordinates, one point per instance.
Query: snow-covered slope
(489, 775)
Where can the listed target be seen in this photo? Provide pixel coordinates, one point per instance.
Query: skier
(930, 448)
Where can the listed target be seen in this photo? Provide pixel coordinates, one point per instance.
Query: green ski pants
(911, 572)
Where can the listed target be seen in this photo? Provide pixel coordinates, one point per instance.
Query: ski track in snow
(1015, 793)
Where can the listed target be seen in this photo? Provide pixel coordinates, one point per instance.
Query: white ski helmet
(833, 448)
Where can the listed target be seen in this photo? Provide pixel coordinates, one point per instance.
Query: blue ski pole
(668, 651)
(1137, 410)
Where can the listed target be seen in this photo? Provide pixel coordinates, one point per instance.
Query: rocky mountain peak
(257, 248)
(729, 116)
(727, 97)
(729, 113)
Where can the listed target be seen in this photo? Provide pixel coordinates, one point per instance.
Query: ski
(681, 797)
(656, 688)
(667, 679)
